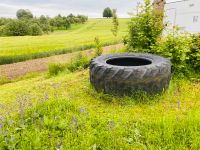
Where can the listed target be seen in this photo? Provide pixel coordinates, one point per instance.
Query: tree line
(27, 24)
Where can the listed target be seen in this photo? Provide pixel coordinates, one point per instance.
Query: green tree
(44, 23)
(145, 28)
(107, 13)
(115, 23)
(24, 14)
(17, 28)
(35, 29)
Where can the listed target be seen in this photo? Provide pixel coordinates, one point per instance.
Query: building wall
(185, 14)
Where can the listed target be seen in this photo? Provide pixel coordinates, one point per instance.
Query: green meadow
(79, 37)
(66, 112)
(62, 111)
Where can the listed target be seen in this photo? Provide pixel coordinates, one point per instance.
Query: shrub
(55, 69)
(145, 28)
(107, 12)
(98, 45)
(2, 30)
(194, 53)
(79, 63)
(175, 46)
(35, 29)
(17, 28)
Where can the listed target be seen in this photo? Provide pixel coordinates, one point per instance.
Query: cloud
(92, 8)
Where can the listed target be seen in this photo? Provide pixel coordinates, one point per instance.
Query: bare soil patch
(13, 71)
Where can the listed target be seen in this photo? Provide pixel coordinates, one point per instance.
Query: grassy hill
(65, 111)
(79, 37)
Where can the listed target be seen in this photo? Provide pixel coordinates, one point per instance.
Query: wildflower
(82, 110)
(56, 117)
(59, 145)
(29, 101)
(46, 96)
(111, 124)
(1, 118)
(21, 108)
(53, 85)
(11, 122)
(1, 126)
(75, 121)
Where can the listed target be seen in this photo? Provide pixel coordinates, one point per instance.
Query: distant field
(79, 37)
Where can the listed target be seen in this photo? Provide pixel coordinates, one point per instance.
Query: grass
(79, 37)
(65, 112)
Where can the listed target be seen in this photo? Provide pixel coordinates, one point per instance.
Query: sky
(91, 8)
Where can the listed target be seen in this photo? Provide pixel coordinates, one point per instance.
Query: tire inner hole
(128, 61)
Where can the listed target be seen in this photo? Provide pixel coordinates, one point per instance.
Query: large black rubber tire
(125, 80)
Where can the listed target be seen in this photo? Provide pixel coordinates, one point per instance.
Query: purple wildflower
(6, 132)
(1, 118)
(59, 145)
(82, 110)
(21, 108)
(75, 121)
(11, 122)
(1, 126)
(29, 101)
(46, 96)
(112, 124)
(53, 85)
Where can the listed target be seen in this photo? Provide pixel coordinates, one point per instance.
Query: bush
(2, 30)
(35, 29)
(17, 28)
(55, 69)
(98, 45)
(79, 63)
(194, 53)
(145, 28)
(175, 46)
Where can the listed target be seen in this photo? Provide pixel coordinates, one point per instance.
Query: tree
(115, 23)
(145, 28)
(44, 23)
(107, 13)
(35, 29)
(24, 14)
(17, 28)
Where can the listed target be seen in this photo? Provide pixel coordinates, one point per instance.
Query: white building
(184, 13)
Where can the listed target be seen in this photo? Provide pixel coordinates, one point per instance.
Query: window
(195, 19)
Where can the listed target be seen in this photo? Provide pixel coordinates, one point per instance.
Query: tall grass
(78, 63)
(71, 115)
